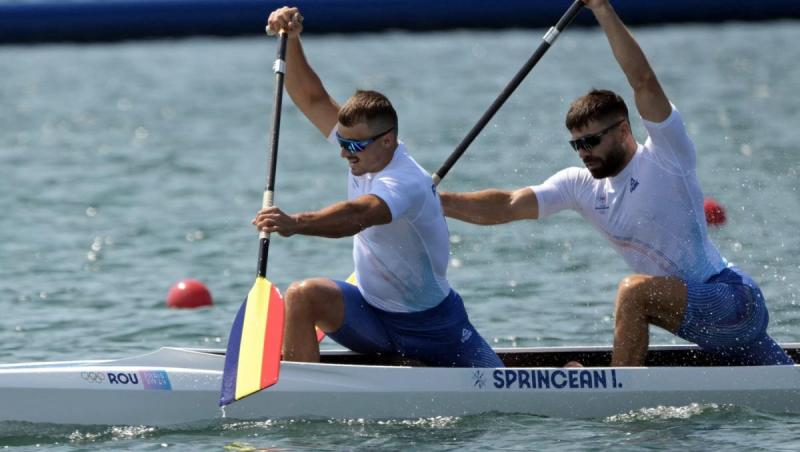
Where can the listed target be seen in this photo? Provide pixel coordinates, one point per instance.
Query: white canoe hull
(176, 386)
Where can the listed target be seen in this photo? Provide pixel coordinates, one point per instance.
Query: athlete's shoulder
(404, 167)
(573, 176)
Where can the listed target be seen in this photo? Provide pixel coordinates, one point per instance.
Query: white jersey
(651, 212)
(402, 266)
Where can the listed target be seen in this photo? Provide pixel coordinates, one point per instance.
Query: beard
(611, 165)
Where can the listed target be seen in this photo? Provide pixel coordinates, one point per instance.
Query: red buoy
(188, 293)
(715, 213)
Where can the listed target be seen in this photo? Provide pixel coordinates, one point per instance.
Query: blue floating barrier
(33, 21)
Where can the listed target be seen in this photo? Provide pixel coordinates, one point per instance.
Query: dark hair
(596, 105)
(371, 107)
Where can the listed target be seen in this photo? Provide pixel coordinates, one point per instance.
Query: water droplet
(124, 104)
(141, 133)
(195, 236)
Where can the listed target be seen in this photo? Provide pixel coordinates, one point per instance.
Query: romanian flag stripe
(232, 359)
(273, 339)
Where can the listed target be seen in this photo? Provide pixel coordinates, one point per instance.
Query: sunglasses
(590, 141)
(356, 146)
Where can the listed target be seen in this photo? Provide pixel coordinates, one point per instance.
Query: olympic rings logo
(94, 377)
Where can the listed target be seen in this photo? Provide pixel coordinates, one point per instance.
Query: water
(126, 167)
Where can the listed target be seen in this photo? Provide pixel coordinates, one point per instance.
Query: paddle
(547, 41)
(252, 360)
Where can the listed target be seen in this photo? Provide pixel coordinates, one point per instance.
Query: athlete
(646, 200)
(401, 303)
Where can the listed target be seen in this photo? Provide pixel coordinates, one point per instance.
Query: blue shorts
(441, 336)
(727, 317)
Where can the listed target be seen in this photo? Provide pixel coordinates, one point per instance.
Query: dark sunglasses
(356, 146)
(590, 141)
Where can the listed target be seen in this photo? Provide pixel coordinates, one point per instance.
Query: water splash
(664, 413)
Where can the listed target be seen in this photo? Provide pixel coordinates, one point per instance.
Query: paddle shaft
(548, 40)
(280, 69)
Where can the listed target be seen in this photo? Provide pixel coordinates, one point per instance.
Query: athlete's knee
(632, 295)
(633, 285)
(660, 300)
(302, 297)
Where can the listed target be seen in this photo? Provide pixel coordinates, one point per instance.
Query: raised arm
(301, 82)
(341, 219)
(491, 206)
(651, 102)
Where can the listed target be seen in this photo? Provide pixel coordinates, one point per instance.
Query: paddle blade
(252, 360)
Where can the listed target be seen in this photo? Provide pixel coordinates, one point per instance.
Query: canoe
(174, 386)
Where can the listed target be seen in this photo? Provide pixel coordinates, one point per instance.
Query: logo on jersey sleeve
(634, 184)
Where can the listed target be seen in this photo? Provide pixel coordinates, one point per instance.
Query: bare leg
(311, 302)
(643, 300)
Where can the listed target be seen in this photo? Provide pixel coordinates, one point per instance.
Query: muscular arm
(651, 102)
(491, 206)
(345, 218)
(301, 82)
(306, 89)
(341, 219)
